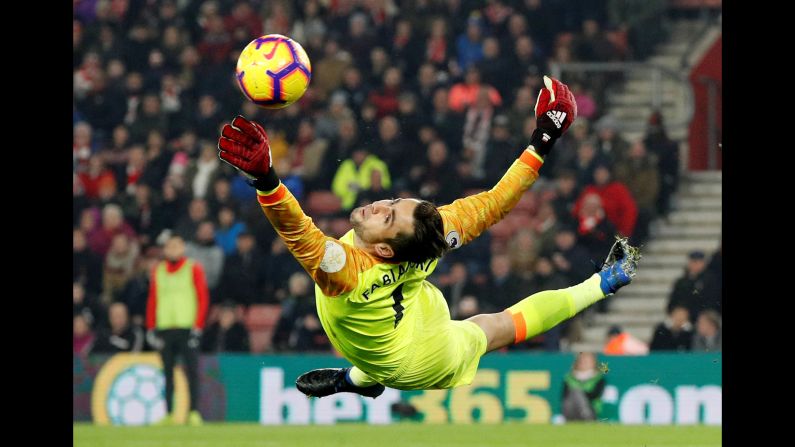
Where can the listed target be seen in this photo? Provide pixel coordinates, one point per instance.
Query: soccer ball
(273, 71)
(136, 396)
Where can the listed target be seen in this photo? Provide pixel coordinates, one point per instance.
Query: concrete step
(659, 275)
(628, 319)
(673, 48)
(638, 99)
(702, 189)
(672, 61)
(623, 306)
(653, 261)
(681, 246)
(696, 217)
(703, 176)
(699, 203)
(643, 291)
(669, 232)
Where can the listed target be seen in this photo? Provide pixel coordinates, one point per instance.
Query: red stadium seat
(322, 202)
(260, 341)
(262, 317)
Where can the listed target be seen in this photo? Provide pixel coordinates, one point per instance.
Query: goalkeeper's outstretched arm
(465, 219)
(333, 266)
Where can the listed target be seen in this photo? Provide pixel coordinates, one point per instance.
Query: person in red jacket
(175, 314)
(619, 205)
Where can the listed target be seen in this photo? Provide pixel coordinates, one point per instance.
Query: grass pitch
(404, 434)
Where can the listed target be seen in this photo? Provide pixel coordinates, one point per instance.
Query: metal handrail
(655, 100)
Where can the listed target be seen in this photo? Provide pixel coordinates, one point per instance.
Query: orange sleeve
(465, 219)
(332, 264)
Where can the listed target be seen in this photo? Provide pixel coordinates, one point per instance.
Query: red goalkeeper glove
(244, 145)
(555, 111)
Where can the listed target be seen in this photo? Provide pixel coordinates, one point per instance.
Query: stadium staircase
(694, 223)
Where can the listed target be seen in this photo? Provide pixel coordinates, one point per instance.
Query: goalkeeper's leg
(544, 310)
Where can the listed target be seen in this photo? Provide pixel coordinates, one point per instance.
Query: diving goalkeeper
(372, 296)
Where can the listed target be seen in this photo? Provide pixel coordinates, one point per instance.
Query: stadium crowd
(430, 99)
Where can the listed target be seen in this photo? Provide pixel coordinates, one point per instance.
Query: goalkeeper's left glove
(555, 110)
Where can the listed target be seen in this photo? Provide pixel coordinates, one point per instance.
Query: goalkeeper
(372, 296)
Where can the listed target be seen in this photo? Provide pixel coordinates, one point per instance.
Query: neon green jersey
(369, 307)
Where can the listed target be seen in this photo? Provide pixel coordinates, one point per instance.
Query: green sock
(542, 311)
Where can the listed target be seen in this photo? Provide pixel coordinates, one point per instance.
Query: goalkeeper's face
(383, 220)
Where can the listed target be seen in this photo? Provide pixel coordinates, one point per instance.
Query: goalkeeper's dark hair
(427, 241)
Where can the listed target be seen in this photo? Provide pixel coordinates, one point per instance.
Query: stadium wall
(655, 389)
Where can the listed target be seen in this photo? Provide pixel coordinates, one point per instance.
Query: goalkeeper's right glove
(244, 145)
(555, 110)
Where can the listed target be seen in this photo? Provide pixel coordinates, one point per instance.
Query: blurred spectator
(688, 290)
(243, 277)
(708, 332)
(86, 265)
(355, 174)
(86, 304)
(119, 267)
(521, 112)
(434, 176)
(621, 342)
(585, 163)
(468, 306)
(96, 177)
(279, 266)
(229, 228)
(225, 335)
(477, 129)
(82, 335)
(465, 94)
(609, 141)
(595, 232)
(100, 238)
(296, 305)
(202, 173)
(469, 46)
(592, 45)
(308, 152)
(385, 99)
(121, 336)
(456, 284)
(167, 211)
(188, 224)
(675, 333)
(207, 253)
(570, 258)
(640, 174)
(437, 46)
(619, 206)
(525, 59)
(136, 291)
(713, 281)
(566, 193)
(523, 253)
(582, 389)
(501, 150)
(328, 72)
(667, 152)
(586, 104)
(505, 287)
(447, 122)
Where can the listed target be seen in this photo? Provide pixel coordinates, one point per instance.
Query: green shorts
(446, 353)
